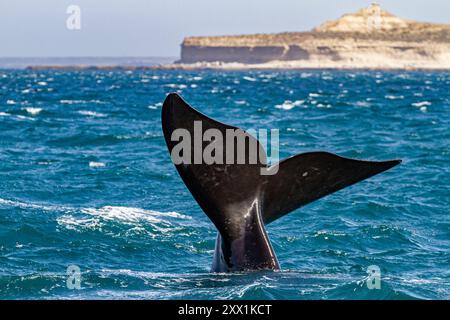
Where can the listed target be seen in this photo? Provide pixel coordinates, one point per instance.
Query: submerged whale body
(240, 201)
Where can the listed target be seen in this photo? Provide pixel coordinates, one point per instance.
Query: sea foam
(91, 113)
(288, 104)
(33, 111)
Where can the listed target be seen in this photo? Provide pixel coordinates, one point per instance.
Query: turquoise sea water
(86, 180)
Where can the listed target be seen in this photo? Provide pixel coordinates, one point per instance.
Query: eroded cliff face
(369, 38)
(243, 54)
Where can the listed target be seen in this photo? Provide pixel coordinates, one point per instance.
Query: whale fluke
(306, 177)
(238, 199)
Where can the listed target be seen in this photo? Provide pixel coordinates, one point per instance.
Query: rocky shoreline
(276, 65)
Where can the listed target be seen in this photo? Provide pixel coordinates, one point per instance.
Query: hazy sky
(157, 27)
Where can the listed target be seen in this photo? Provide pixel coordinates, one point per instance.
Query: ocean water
(86, 180)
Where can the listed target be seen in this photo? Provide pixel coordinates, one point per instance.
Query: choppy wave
(251, 79)
(115, 221)
(136, 232)
(133, 221)
(96, 164)
(421, 104)
(33, 111)
(127, 214)
(90, 113)
(155, 106)
(78, 101)
(116, 213)
(288, 104)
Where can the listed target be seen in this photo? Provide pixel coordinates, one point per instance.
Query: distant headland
(370, 38)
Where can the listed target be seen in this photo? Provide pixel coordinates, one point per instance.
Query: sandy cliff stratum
(369, 38)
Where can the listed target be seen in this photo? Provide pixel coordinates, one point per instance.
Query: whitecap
(4, 114)
(10, 102)
(81, 101)
(392, 97)
(135, 218)
(42, 83)
(423, 109)
(175, 86)
(362, 104)
(91, 113)
(94, 164)
(33, 111)
(314, 95)
(71, 101)
(95, 217)
(131, 214)
(288, 104)
(422, 104)
(155, 106)
(249, 79)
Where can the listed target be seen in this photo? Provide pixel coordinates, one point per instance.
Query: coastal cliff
(368, 38)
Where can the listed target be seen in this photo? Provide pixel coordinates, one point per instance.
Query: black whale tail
(238, 199)
(306, 177)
